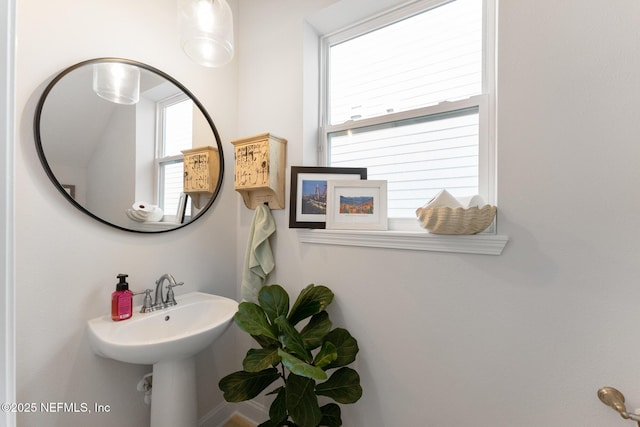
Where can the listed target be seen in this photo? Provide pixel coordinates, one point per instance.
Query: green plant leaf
(276, 390)
(258, 360)
(316, 330)
(343, 386)
(252, 319)
(270, 423)
(301, 368)
(274, 300)
(302, 402)
(330, 415)
(327, 354)
(313, 299)
(240, 386)
(278, 409)
(346, 345)
(266, 342)
(291, 339)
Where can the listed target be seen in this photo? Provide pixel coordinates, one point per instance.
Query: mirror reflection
(114, 136)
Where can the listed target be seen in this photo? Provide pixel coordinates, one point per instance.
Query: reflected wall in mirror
(122, 152)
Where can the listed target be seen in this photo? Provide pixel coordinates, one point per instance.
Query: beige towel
(259, 260)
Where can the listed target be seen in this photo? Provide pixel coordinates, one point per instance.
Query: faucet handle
(171, 298)
(146, 305)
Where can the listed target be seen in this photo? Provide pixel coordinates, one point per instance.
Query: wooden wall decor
(260, 163)
(201, 170)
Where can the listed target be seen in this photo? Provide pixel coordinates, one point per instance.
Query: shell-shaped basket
(445, 220)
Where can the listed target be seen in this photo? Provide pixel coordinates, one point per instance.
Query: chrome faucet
(146, 305)
(159, 301)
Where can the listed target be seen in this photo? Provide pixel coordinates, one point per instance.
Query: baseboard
(220, 414)
(238, 420)
(217, 416)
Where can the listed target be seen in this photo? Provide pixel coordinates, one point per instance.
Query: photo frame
(307, 202)
(70, 189)
(357, 205)
(182, 207)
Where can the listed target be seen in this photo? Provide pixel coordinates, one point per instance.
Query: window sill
(481, 244)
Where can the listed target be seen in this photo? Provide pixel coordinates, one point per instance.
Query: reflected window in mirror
(175, 117)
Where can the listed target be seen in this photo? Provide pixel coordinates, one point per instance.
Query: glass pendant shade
(115, 82)
(206, 31)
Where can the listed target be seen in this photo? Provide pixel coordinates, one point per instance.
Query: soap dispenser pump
(121, 300)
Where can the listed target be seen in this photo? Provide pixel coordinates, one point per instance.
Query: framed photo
(357, 205)
(70, 189)
(182, 207)
(308, 201)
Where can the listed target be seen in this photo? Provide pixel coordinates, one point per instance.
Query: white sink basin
(168, 339)
(170, 334)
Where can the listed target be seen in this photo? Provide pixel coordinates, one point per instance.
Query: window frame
(160, 159)
(485, 102)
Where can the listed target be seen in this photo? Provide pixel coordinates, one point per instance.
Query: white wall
(7, 191)
(66, 263)
(526, 338)
(110, 190)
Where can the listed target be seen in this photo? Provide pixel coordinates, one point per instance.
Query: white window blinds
(418, 157)
(405, 100)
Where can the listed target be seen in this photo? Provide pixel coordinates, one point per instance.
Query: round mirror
(128, 145)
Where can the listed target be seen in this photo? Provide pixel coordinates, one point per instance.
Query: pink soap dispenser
(121, 300)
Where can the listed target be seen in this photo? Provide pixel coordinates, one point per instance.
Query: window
(175, 129)
(409, 95)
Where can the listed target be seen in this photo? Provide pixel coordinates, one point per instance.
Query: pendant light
(117, 82)
(206, 31)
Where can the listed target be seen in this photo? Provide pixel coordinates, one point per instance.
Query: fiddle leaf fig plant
(303, 360)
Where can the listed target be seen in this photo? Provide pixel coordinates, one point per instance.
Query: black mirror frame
(65, 193)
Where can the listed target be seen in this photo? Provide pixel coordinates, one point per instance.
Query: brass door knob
(612, 397)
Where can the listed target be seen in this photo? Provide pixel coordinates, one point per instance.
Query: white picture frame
(182, 207)
(357, 205)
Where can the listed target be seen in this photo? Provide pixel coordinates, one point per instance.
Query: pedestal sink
(168, 339)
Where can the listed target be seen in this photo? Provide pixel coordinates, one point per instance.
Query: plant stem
(283, 374)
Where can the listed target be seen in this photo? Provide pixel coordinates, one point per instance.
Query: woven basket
(445, 220)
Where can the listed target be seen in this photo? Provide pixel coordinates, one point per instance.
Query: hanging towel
(259, 260)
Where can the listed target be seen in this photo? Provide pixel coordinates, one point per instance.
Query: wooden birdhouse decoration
(201, 171)
(260, 170)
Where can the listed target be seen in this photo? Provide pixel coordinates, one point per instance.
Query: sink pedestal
(173, 397)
